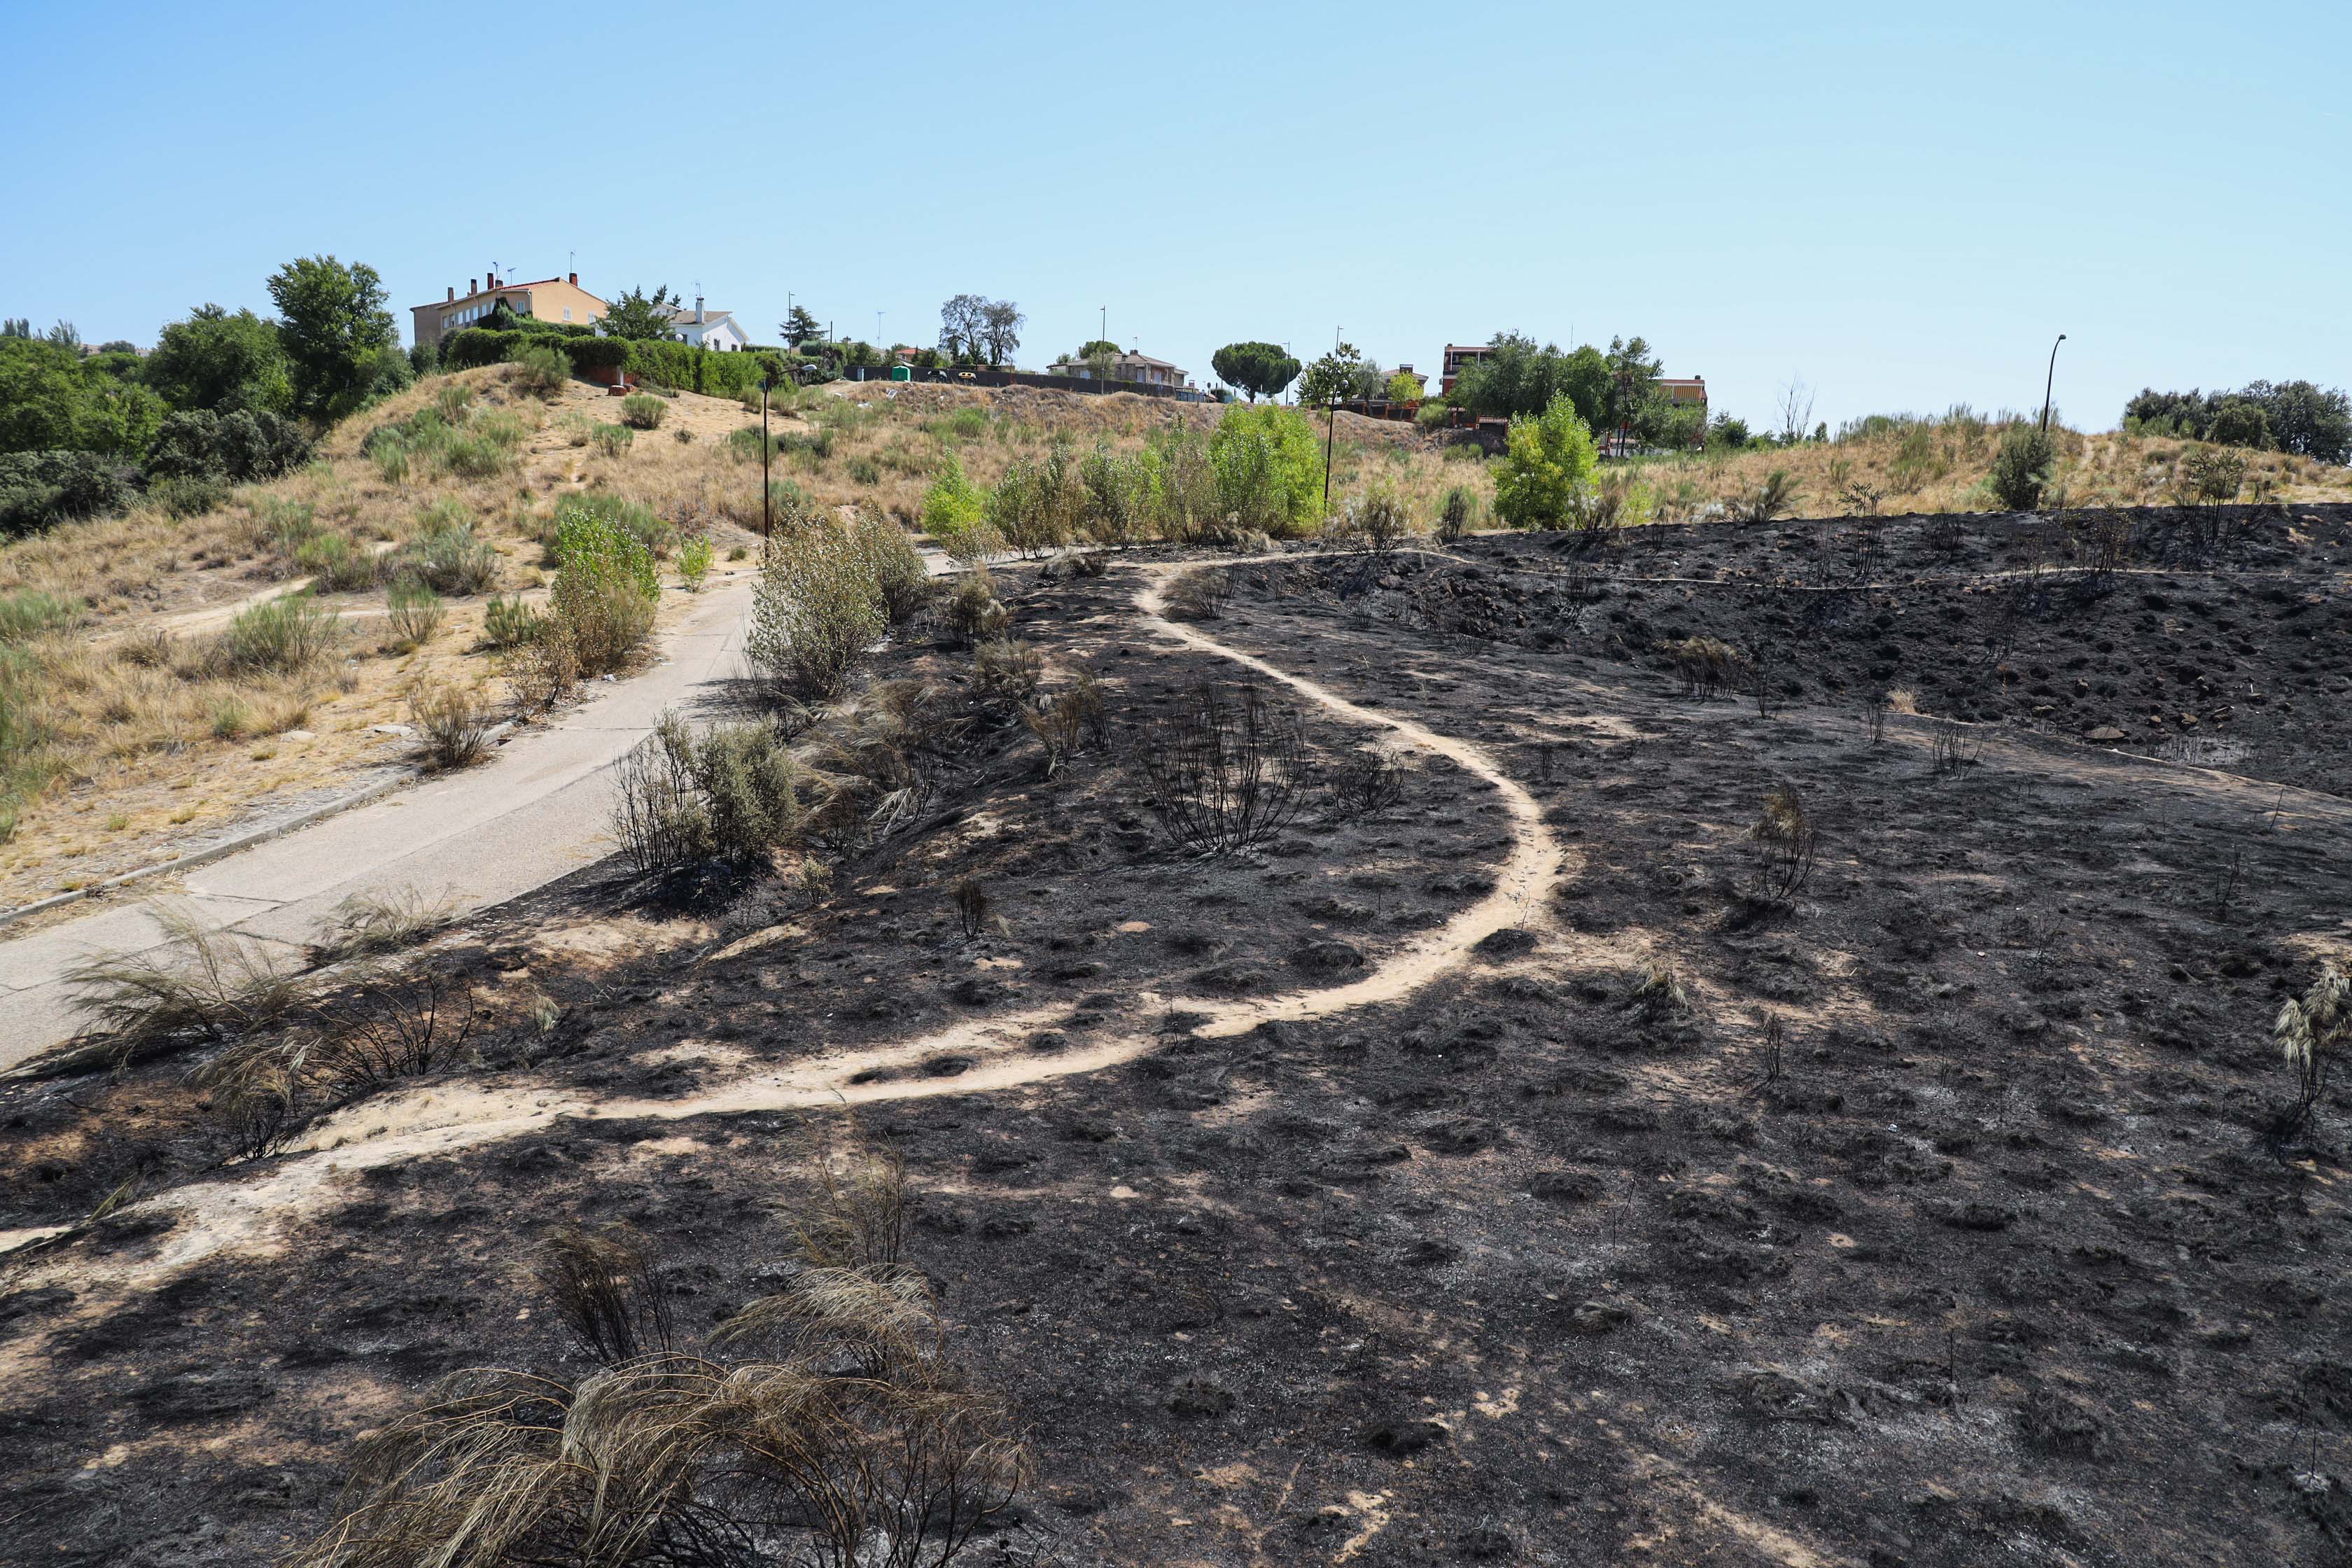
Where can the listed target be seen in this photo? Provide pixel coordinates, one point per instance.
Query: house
(548, 300)
(1456, 356)
(707, 329)
(1129, 366)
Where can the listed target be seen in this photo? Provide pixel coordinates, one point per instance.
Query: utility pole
(766, 494)
(2048, 382)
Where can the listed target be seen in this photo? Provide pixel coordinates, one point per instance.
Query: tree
(800, 326)
(2304, 419)
(1546, 467)
(1796, 411)
(222, 362)
(641, 317)
(2240, 423)
(1096, 348)
(963, 323)
(1728, 433)
(1000, 336)
(2021, 469)
(1403, 387)
(1332, 379)
(333, 326)
(1519, 378)
(51, 400)
(1259, 369)
(1266, 469)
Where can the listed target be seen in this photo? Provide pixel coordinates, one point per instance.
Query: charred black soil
(1916, 1205)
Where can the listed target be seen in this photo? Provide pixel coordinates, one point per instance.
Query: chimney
(698, 309)
(470, 289)
(453, 294)
(573, 279)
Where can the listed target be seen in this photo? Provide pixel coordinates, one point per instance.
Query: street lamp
(2048, 382)
(767, 495)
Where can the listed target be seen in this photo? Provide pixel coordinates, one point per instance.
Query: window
(567, 312)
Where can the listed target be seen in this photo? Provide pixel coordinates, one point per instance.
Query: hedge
(672, 364)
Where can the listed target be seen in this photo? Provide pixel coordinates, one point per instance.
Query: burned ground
(1921, 1214)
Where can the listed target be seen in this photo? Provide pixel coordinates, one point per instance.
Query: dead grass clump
(372, 925)
(390, 1027)
(876, 759)
(972, 905)
(972, 610)
(1708, 666)
(1226, 772)
(852, 1438)
(1952, 747)
(1659, 994)
(1201, 595)
(1006, 673)
(455, 724)
(2311, 1032)
(1069, 719)
(199, 984)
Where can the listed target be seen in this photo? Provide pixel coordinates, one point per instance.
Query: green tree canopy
(1268, 468)
(1334, 378)
(223, 362)
(800, 327)
(641, 316)
(1549, 460)
(1098, 346)
(1522, 378)
(1258, 370)
(335, 329)
(52, 401)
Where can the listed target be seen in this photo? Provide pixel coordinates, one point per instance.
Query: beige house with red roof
(558, 300)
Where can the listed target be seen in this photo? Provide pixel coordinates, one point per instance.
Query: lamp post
(2048, 382)
(767, 496)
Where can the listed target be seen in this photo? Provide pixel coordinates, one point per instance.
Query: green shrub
(447, 558)
(640, 412)
(287, 633)
(1455, 517)
(1546, 469)
(282, 526)
(509, 622)
(2021, 468)
(818, 609)
(605, 588)
(190, 497)
(335, 563)
(540, 370)
(731, 793)
(899, 574)
(746, 444)
(29, 612)
(612, 440)
(1269, 470)
(655, 533)
(954, 504)
(451, 399)
(455, 726)
(38, 490)
(415, 611)
(693, 563)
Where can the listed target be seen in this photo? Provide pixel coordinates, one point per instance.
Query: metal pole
(2048, 382)
(1333, 416)
(767, 495)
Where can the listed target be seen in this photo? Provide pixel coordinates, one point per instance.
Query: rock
(1598, 1317)
(1401, 1437)
(1504, 944)
(1329, 957)
(391, 729)
(2106, 734)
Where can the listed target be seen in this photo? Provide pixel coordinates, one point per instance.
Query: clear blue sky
(1903, 213)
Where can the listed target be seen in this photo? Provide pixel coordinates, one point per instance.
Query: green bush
(731, 793)
(335, 563)
(1269, 470)
(191, 497)
(38, 490)
(693, 563)
(818, 607)
(285, 633)
(242, 445)
(1038, 503)
(29, 612)
(640, 411)
(899, 574)
(1546, 467)
(447, 557)
(746, 444)
(612, 440)
(2021, 468)
(509, 622)
(954, 504)
(414, 609)
(588, 353)
(605, 588)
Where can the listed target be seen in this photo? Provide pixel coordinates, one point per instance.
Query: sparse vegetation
(1226, 771)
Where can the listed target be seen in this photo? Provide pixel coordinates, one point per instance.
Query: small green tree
(1404, 386)
(1547, 464)
(220, 363)
(2021, 468)
(1269, 469)
(335, 329)
(800, 326)
(818, 609)
(1256, 370)
(641, 317)
(1334, 378)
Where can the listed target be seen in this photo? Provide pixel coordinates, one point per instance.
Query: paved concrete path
(535, 812)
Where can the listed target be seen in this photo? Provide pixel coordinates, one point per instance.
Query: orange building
(555, 299)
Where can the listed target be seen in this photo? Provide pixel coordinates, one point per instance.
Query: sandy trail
(255, 1214)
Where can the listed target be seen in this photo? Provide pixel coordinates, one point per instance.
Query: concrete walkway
(535, 812)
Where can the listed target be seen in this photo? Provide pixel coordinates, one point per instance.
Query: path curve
(229, 1215)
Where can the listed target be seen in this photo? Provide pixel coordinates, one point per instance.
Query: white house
(707, 329)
